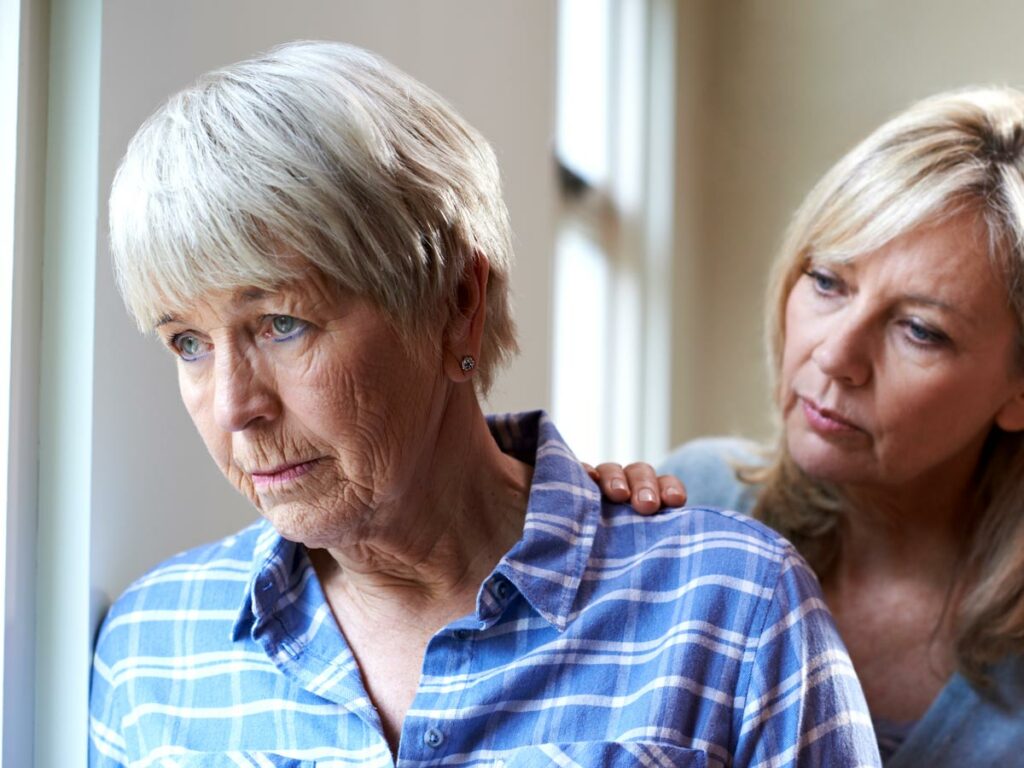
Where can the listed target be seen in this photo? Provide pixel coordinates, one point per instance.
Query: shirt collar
(273, 558)
(563, 512)
(546, 565)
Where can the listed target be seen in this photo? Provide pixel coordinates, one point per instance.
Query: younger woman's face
(897, 364)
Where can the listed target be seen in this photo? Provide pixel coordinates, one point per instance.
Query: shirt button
(433, 738)
(462, 634)
(503, 588)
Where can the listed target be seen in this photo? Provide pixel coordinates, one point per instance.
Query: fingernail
(646, 495)
(618, 484)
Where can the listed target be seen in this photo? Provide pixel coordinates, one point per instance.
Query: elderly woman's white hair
(954, 153)
(320, 151)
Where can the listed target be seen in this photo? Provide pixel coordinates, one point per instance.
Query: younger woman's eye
(824, 281)
(922, 334)
(286, 327)
(189, 346)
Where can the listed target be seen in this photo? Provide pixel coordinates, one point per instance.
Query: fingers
(646, 496)
(673, 492)
(612, 480)
(639, 485)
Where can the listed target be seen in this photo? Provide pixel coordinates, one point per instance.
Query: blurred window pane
(583, 88)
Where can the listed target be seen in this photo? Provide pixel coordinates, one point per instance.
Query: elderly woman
(322, 244)
(896, 323)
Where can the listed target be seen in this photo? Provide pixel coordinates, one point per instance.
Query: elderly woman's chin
(317, 513)
(313, 503)
(313, 526)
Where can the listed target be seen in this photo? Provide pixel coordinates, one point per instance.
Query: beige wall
(771, 94)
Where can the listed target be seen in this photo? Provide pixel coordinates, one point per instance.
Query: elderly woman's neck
(464, 509)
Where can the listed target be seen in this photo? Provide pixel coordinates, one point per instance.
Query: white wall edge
(63, 626)
(10, 39)
(26, 46)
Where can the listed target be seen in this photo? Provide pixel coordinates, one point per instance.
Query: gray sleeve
(707, 467)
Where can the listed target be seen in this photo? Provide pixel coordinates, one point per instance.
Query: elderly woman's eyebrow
(252, 294)
(244, 295)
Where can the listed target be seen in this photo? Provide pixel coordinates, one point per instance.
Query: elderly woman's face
(896, 366)
(308, 401)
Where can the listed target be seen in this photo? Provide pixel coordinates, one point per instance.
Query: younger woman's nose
(843, 352)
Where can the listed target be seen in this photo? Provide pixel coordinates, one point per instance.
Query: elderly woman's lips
(281, 475)
(825, 421)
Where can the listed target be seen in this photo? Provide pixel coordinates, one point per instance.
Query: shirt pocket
(233, 760)
(605, 754)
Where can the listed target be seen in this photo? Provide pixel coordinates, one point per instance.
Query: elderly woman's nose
(242, 394)
(843, 352)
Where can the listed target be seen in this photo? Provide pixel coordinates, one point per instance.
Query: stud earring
(468, 363)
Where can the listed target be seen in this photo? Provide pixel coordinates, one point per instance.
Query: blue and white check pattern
(695, 638)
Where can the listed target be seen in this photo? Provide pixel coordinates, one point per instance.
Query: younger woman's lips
(282, 475)
(826, 422)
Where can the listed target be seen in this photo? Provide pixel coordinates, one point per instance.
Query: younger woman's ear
(1010, 417)
(465, 332)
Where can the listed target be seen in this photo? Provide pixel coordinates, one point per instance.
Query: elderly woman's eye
(284, 327)
(188, 346)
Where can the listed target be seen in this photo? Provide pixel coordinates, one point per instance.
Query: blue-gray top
(963, 727)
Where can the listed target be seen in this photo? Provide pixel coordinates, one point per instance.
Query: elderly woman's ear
(465, 331)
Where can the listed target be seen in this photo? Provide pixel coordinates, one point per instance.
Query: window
(612, 250)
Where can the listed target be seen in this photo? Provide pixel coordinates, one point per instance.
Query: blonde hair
(327, 152)
(953, 153)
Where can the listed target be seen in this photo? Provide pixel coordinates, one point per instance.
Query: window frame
(23, 94)
(50, 104)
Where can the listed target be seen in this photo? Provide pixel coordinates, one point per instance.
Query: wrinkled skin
(342, 393)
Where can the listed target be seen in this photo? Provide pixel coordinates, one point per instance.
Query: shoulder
(714, 550)
(1006, 691)
(170, 639)
(699, 521)
(228, 559)
(708, 465)
(205, 585)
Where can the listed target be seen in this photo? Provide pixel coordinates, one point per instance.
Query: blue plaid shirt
(695, 638)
